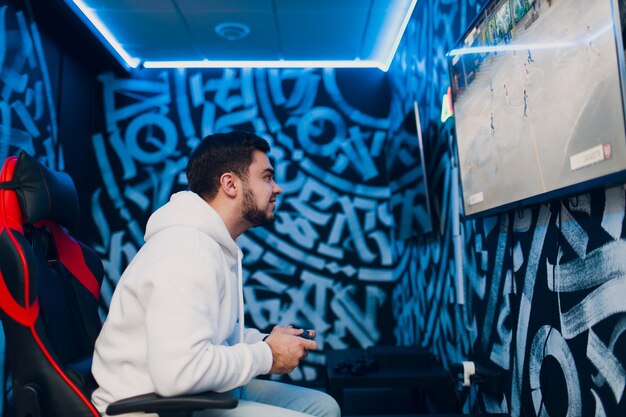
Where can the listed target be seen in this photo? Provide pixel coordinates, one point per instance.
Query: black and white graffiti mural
(543, 286)
(326, 263)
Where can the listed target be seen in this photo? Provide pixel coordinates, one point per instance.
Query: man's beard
(251, 211)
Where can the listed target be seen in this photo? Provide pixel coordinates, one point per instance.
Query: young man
(175, 324)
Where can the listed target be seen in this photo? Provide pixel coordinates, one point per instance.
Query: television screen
(406, 175)
(538, 102)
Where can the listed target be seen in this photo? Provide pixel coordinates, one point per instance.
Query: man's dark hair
(218, 154)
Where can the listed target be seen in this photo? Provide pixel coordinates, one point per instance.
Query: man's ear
(229, 183)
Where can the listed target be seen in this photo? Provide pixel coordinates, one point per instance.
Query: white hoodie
(171, 327)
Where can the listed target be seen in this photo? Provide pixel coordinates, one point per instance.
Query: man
(175, 324)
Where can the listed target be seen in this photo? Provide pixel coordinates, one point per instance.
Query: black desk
(403, 370)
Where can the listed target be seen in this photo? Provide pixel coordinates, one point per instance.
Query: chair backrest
(49, 288)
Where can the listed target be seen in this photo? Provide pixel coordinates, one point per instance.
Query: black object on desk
(396, 368)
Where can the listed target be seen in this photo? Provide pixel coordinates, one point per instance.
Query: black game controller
(305, 335)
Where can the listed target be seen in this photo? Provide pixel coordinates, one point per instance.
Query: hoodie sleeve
(253, 336)
(250, 336)
(183, 353)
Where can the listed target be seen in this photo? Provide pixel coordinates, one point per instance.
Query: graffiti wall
(327, 261)
(543, 287)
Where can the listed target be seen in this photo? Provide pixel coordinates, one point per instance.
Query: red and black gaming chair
(49, 288)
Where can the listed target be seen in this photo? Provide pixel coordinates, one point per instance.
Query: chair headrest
(44, 194)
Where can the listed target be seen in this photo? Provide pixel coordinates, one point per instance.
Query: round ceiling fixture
(232, 31)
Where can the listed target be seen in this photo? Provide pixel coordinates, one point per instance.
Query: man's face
(259, 191)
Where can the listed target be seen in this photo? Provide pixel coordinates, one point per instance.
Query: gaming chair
(49, 289)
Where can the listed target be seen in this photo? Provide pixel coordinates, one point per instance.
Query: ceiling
(255, 33)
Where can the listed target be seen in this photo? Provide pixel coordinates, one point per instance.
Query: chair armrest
(153, 403)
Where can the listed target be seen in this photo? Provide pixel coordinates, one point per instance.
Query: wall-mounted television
(406, 175)
(538, 102)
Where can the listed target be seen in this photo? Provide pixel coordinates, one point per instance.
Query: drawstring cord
(240, 282)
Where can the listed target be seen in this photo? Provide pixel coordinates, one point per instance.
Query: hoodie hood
(188, 209)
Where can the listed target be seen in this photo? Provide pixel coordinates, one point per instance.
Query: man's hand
(288, 348)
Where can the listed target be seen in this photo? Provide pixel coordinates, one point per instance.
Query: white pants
(261, 398)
